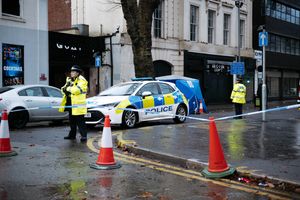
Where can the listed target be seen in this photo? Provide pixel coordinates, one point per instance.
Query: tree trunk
(138, 15)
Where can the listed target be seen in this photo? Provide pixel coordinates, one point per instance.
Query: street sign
(263, 39)
(258, 54)
(98, 61)
(237, 68)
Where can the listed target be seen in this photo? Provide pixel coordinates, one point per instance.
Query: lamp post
(264, 87)
(238, 4)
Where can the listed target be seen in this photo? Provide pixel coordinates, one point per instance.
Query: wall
(59, 14)
(30, 30)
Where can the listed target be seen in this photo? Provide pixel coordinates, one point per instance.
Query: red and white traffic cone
(200, 107)
(106, 155)
(217, 165)
(5, 147)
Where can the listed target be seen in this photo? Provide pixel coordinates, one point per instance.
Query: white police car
(132, 102)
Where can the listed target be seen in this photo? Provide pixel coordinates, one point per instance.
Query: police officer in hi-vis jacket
(74, 99)
(238, 96)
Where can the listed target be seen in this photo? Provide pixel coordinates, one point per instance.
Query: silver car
(28, 103)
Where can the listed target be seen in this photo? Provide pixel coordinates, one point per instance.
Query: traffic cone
(5, 147)
(200, 107)
(106, 156)
(217, 165)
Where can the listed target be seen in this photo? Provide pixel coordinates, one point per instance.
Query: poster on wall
(12, 64)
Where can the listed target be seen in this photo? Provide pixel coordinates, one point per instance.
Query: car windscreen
(5, 89)
(121, 89)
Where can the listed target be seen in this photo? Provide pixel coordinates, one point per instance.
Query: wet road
(270, 148)
(48, 167)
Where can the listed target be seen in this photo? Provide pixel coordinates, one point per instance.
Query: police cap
(76, 68)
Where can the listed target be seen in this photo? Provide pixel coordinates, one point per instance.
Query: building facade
(23, 42)
(281, 19)
(191, 37)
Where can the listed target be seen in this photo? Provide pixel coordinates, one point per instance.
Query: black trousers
(238, 110)
(77, 121)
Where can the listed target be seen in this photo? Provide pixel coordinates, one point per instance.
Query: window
(288, 46)
(290, 87)
(226, 33)
(211, 26)
(273, 86)
(165, 88)
(297, 48)
(282, 12)
(35, 91)
(293, 47)
(150, 87)
(53, 92)
(11, 7)
(272, 43)
(194, 23)
(277, 44)
(242, 33)
(158, 22)
(282, 45)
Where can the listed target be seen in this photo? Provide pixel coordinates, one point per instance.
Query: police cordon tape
(221, 118)
(164, 114)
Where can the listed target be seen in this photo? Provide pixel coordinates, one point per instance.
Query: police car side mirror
(146, 93)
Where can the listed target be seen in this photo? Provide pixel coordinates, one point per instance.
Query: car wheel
(181, 110)
(18, 119)
(129, 119)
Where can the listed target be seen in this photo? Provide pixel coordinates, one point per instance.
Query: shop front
(66, 50)
(213, 72)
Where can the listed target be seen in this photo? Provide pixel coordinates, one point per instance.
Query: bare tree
(138, 15)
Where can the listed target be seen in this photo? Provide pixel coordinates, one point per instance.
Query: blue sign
(237, 68)
(263, 39)
(98, 61)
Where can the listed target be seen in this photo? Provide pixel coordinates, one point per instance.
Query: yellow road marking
(229, 184)
(189, 173)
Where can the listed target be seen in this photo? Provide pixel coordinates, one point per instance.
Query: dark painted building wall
(283, 51)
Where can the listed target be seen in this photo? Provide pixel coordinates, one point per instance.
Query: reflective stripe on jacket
(78, 91)
(238, 94)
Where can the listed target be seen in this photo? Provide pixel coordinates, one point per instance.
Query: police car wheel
(181, 110)
(129, 119)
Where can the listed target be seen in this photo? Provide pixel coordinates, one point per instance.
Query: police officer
(238, 96)
(74, 99)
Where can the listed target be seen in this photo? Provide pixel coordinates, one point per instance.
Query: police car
(132, 102)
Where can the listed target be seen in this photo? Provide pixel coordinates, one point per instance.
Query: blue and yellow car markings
(123, 104)
(151, 101)
(136, 101)
(159, 100)
(148, 102)
(168, 99)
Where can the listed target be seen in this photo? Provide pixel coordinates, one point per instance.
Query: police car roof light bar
(142, 79)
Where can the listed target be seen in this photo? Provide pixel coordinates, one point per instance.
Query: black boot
(70, 137)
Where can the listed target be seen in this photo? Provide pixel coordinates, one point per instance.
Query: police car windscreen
(121, 89)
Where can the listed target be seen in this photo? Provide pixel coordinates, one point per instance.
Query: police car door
(148, 102)
(169, 101)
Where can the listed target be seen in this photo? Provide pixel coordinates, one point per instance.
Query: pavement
(268, 151)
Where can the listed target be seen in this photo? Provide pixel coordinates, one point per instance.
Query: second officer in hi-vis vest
(74, 99)
(238, 96)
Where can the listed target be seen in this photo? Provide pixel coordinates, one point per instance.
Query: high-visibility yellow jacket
(238, 94)
(78, 89)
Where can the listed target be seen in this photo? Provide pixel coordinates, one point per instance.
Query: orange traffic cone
(200, 107)
(106, 156)
(5, 148)
(217, 165)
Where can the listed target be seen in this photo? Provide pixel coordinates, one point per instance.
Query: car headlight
(110, 104)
